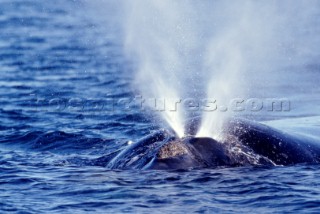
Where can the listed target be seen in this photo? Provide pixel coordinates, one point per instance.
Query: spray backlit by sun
(207, 49)
(159, 37)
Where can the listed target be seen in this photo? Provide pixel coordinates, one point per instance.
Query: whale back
(279, 147)
(245, 143)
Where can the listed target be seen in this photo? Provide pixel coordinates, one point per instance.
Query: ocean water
(61, 70)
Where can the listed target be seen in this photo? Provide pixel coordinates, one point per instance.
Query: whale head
(190, 152)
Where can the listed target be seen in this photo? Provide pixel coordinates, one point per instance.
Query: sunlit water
(60, 68)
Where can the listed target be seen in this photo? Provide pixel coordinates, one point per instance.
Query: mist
(215, 49)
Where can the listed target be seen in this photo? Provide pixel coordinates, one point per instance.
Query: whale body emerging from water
(245, 143)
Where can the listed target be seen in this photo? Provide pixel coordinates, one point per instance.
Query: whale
(245, 143)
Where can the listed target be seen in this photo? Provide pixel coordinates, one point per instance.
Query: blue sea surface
(61, 70)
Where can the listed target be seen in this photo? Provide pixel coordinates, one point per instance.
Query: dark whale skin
(280, 147)
(246, 143)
